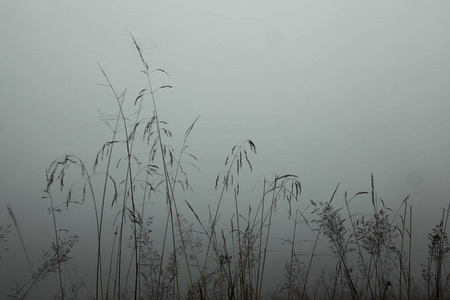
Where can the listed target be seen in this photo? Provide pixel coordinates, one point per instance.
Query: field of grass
(187, 255)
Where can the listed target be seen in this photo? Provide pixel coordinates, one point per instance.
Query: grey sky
(329, 90)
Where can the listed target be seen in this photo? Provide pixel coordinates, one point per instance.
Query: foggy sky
(329, 90)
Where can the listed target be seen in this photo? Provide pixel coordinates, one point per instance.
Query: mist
(331, 92)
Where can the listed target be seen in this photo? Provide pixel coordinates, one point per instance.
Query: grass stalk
(261, 275)
(99, 277)
(410, 252)
(169, 187)
(401, 251)
(16, 225)
(292, 256)
(55, 231)
(129, 179)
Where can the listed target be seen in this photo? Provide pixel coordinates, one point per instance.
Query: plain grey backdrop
(329, 90)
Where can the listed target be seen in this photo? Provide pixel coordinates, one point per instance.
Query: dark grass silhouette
(199, 257)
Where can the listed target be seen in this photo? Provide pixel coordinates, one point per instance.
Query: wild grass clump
(177, 253)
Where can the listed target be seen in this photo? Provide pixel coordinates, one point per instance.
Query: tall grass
(369, 256)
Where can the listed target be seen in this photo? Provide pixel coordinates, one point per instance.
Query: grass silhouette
(201, 257)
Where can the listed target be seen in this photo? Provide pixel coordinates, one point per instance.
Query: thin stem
(55, 230)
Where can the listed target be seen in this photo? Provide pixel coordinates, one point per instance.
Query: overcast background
(329, 90)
